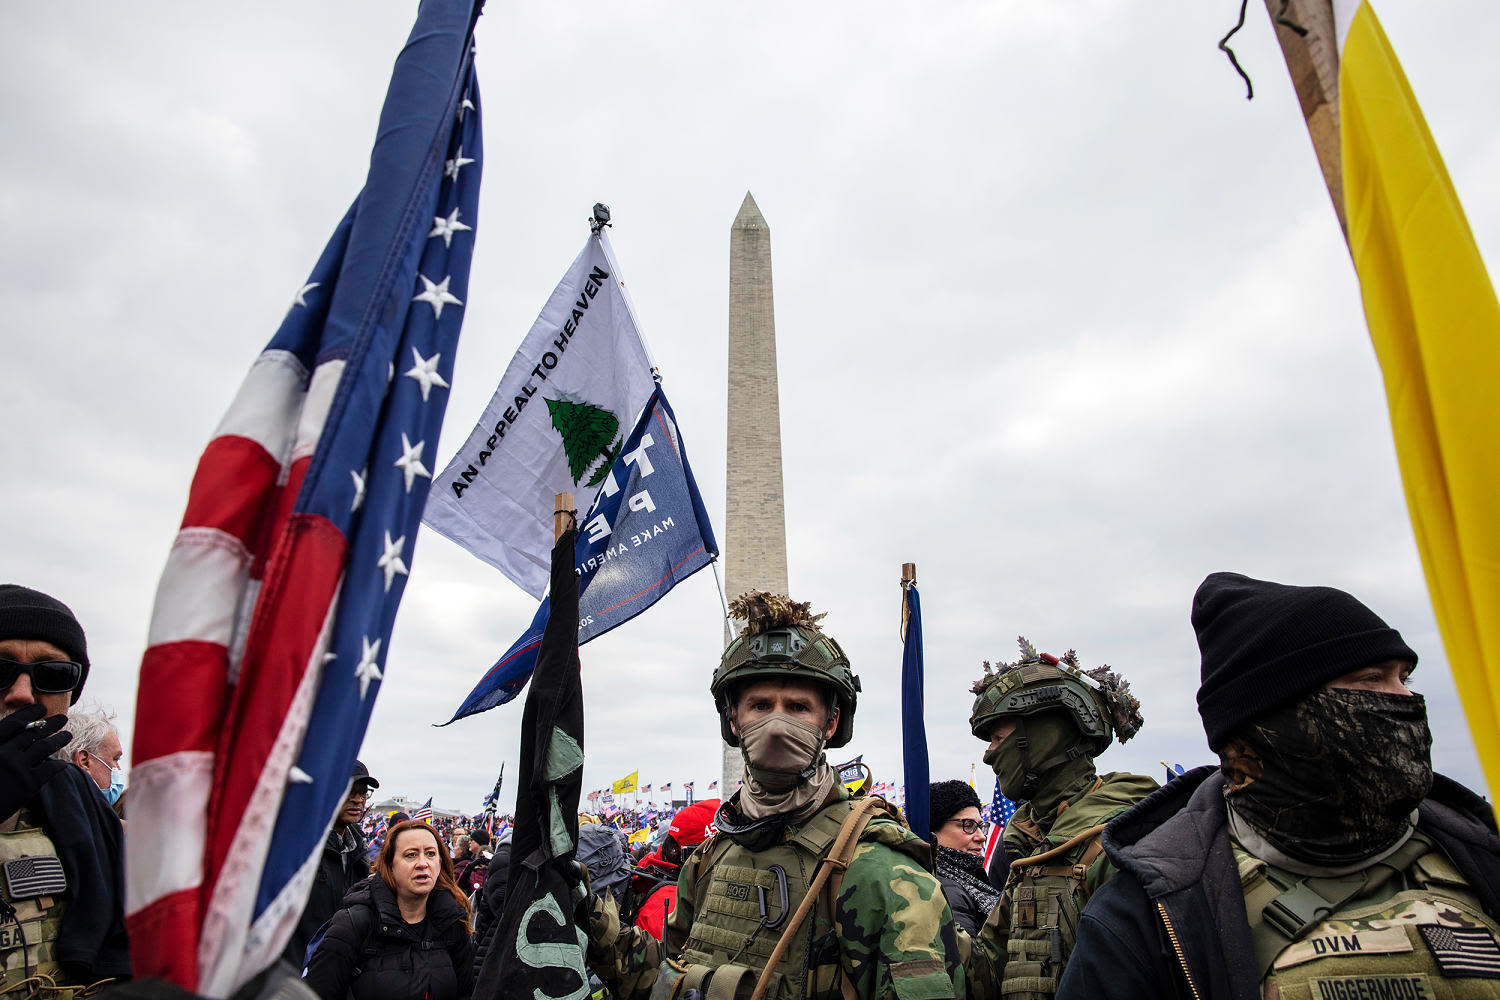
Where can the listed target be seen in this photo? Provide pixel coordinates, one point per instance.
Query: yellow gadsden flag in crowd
(1435, 323)
(627, 783)
(640, 836)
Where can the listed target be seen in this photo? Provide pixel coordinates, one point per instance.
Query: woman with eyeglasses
(958, 853)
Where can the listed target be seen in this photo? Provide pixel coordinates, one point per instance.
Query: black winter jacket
(340, 869)
(489, 904)
(1176, 864)
(90, 843)
(370, 953)
(968, 910)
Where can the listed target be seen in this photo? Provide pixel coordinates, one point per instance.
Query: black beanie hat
(31, 614)
(947, 799)
(1265, 644)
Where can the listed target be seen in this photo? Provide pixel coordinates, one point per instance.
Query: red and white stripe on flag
(236, 534)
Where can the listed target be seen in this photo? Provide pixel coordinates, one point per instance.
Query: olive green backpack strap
(831, 866)
(1281, 907)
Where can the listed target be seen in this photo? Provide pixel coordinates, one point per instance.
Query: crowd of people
(1320, 858)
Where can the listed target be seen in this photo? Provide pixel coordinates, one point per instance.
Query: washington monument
(755, 514)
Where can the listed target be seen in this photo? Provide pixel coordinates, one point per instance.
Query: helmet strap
(1031, 777)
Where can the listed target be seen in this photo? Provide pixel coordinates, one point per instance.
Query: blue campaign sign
(647, 531)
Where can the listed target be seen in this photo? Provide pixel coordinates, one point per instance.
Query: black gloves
(26, 762)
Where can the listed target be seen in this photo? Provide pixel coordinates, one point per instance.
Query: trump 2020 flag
(647, 531)
(539, 948)
(555, 424)
(276, 605)
(1435, 323)
(913, 714)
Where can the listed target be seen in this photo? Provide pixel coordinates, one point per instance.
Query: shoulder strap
(703, 858)
(1281, 907)
(837, 860)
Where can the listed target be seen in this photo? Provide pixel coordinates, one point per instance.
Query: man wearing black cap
(61, 884)
(343, 864)
(1322, 858)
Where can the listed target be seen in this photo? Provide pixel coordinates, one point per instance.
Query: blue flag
(913, 720)
(647, 531)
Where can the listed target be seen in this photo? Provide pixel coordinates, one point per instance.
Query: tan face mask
(785, 771)
(778, 750)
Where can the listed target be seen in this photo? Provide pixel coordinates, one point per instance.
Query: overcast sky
(1061, 317)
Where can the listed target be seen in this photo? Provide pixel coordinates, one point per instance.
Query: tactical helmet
(781, 641)
(1098, 701)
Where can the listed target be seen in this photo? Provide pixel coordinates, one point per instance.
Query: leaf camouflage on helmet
(1098, 701)
(781, 640)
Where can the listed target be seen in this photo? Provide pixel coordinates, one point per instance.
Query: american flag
(645, 788)
(713, 786)
(1463, 951)
(667, 787)
(425, 813)
(275, 609)
(996, 814)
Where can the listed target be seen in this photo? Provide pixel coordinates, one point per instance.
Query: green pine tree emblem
(587, 432)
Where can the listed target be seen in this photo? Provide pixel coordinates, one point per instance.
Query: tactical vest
(28, 942)
(1408, 928)
(742, 903)
(1047, 891)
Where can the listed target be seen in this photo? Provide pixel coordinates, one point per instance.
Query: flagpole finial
(600, 218)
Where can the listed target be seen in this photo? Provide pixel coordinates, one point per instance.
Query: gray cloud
(1061, 317)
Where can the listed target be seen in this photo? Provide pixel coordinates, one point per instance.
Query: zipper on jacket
(1177, 947)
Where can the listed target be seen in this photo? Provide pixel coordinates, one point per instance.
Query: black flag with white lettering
(538, 949)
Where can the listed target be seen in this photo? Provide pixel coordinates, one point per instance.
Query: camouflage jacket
(891, 931)
(987, 957)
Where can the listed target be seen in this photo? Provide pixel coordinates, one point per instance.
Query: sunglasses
(970, 826)
(47, 676)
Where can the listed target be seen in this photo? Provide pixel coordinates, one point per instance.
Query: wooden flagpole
(1309, 42)
(908, 579)
(563, 515)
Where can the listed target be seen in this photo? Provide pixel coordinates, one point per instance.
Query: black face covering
(1334, 777)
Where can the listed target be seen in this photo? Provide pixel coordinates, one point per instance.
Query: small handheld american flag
(996, 814)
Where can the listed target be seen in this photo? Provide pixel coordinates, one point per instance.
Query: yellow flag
(640, 836)
(627, 783)
(1435, 323)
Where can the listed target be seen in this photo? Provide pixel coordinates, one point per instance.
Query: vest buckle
(1296, 910)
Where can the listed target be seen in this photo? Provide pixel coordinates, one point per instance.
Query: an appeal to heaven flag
(1435, 324)
(647, 531)
(280, 591)
(555, 425)
(539, 948)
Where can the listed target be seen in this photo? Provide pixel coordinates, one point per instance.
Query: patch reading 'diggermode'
(1463, 951)
(1413, 986)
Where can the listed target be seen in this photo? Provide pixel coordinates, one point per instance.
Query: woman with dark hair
(403, 932)
(958, 851)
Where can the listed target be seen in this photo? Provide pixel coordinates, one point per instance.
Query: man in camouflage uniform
(758, 894)
(61, 891)
(1322, 859)
(1046, 720)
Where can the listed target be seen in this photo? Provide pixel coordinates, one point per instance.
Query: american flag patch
(1463, 951)
(28, 878)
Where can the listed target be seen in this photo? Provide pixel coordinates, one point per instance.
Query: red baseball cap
(692, 825)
